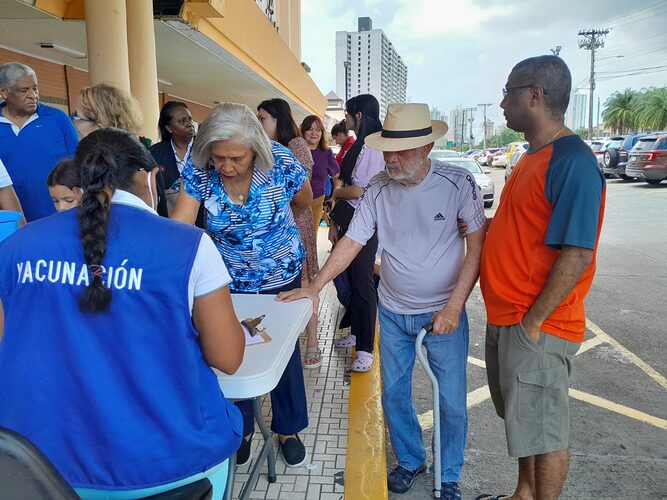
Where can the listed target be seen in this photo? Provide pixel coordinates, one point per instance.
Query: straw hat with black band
(407, 126)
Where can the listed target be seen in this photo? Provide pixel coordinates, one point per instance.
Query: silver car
(443, 154)
(484, 182)
(516, 156)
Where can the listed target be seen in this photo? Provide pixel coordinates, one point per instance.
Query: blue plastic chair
(9, 223)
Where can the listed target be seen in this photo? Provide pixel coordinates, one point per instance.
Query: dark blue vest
(122, 399)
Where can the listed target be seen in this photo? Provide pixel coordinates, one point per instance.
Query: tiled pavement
(327, 391)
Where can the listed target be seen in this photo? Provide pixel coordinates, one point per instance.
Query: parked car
(598, 148)
(615, 143)
(470, 153)
(484, 182)
(486, 156)
(599, 151)
(512, 146)
(648, 159)
(442, 154)
(478, 156)
(616, 156)
(500, 159)
(514, 159)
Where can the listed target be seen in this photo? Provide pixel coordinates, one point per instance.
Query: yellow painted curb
(366, 461)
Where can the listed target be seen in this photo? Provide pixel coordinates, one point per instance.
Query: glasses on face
(506, 90)
(78, 118)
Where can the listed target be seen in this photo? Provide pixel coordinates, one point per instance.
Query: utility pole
(484, 106)
(593, 39)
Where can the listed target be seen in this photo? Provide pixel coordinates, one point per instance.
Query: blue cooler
(9, 223)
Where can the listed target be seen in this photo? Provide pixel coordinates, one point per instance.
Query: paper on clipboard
(261, 337)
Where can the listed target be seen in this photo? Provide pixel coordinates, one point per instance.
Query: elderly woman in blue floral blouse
(248, 186)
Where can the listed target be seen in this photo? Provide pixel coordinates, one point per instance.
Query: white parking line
(636, 360)
(480, 395)
(618, 408)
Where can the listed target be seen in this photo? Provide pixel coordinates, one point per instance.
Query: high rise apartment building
(367, 63)
(576, 114)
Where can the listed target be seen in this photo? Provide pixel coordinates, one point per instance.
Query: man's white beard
(402, 175)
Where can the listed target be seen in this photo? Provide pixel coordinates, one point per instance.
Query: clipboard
(254, 332)
(261, 337)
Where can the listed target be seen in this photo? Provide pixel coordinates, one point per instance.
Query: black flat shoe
(243, 453)
(294, 452)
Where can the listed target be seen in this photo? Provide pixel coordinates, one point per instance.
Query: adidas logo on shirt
(439, 216)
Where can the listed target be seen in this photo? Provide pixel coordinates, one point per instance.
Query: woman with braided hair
(111, 380)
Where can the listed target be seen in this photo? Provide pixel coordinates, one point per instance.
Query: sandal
(312, 354)
(363, 363)
(345, 342)
(486, 496)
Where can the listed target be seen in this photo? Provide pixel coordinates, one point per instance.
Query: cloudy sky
(459, 52)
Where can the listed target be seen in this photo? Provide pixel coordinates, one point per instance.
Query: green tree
(505, 137)
(651, 109)
(620, 112)
(582, 132)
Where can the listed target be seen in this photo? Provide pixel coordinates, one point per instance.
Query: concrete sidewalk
(326, 438)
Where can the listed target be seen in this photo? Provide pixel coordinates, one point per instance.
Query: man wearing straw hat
(427, 274)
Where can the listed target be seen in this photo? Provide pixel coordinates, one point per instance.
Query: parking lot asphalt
(618, 441)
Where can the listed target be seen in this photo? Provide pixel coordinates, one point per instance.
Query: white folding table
(263, 365)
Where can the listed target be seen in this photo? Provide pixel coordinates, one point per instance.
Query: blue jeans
(289, 406)
(447, 356)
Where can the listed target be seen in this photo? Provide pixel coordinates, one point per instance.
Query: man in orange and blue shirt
(537, 267)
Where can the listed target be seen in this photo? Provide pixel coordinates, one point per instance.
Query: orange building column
(106, 38)
(142, 62)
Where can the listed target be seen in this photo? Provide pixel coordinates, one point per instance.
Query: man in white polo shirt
(426, 276)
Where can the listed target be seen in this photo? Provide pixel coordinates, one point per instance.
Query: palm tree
(619, 112)
(652, 109)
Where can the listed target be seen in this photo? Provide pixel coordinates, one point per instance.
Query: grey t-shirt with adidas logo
(422, 251)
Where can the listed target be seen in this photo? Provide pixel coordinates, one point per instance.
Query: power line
(605, 78)
(610, 61)
(658, 5)
(632, 69)
(654, 14)
(593, 39)
(638, 41)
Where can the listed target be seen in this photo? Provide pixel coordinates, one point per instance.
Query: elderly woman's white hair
(236, 122)
(12, 72)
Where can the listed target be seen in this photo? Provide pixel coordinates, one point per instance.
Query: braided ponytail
(97, 171)
(107, 159)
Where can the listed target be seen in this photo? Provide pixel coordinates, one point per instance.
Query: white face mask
(150, 190)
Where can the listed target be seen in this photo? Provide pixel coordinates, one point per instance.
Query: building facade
(457, 125)
(368, 63)
(187, 50)
(575, 116)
